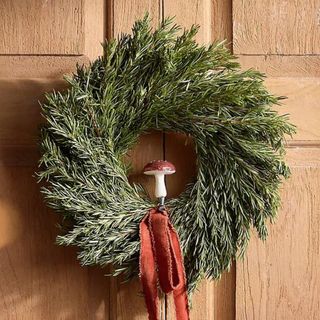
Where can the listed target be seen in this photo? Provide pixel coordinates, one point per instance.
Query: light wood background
(43, 39)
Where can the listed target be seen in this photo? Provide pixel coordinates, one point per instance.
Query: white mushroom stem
(160, 187)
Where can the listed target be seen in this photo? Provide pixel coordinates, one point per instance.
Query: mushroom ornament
(159, 168)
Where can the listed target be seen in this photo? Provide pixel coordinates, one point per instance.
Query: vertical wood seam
(106, 18)
(110, 19)
(109, 34)
(162, 16)
(231, 27)
(234, 296)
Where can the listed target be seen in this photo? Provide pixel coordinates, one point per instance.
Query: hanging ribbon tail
(161, 260)
(148, 274)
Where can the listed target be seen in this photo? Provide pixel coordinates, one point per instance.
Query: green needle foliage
(159, 79)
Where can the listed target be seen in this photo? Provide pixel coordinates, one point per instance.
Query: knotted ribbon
(161, 259)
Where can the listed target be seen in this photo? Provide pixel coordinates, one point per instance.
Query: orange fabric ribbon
(161, 259)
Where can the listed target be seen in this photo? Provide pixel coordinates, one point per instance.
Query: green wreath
(161, 80)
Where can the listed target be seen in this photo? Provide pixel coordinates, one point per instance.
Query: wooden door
(40, 41)
(280, 279)
(43, 39)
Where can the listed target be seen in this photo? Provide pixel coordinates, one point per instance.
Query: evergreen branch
(160, 79)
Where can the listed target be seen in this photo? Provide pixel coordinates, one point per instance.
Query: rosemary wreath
(165, 81)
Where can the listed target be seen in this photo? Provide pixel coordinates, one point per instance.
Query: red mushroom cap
(157, 166)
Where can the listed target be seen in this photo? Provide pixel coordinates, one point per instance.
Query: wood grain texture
(52, 27)
(276, 27)
(129, 302)
(302, 105)
(95, 27)
(20, 109)
(283, 66)
(225, 296)
(123, 13)
(212, 301)
(213, 16)
(189, 12)
(42, 67)
(221, 11)
(42, 27)
(39, 280)
(280, 279)
(41, 41)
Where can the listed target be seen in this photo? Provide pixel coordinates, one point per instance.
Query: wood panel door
(40, 41)
(43, 39)
(280, 279)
